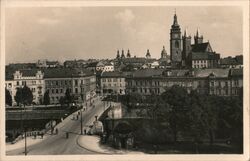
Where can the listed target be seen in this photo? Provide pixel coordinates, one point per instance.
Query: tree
(24, 96)
(197, 118)
(46, 98)
(8, 98)
(176, 100)
(68, 97)
(18, 96)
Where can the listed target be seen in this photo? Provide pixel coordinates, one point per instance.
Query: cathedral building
(184, 54)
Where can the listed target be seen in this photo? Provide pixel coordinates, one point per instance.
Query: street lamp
(81, 121)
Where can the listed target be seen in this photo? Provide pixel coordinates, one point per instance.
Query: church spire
(198, 38)
(175, 20)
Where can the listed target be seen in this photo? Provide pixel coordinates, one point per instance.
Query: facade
(34, 79)
(80, 83)
(47, 64)
(112, 83)
(108, 67)
(232, 62)
(220, 82)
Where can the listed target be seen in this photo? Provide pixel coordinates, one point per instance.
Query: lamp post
(25, 141)
(81, 121)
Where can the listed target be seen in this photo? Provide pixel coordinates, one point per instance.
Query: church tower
(164, 53)
(186, 39)
(198, 38)
(148, 55)
(175, 43)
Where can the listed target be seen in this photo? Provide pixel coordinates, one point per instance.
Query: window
(52, 91)
(76, 82)
(145, 90)
(76, 90)
(177, 44)
(23, 83)
(57, 83)
(212, 84)
(212, 91)
(219, 83)
(236, 82)
(61, 90)
(82, 90)
(226, 84)
(56, 90)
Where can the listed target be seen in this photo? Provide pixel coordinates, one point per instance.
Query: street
(59, 144)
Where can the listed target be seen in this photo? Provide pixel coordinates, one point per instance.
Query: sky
(69, 33)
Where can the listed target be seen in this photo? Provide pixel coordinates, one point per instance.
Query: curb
(90, 149)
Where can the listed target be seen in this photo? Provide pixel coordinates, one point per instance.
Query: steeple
(128, 54)
(175, 43)
(163, 53)
(198, 38)
(148, 54)
(175, 23)
(122, 56)
(118, 54)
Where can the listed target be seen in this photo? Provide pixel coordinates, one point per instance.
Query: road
(58, 144)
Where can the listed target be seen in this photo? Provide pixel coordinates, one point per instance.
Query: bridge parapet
(35, 114)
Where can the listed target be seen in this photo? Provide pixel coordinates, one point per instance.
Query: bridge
(35, 114)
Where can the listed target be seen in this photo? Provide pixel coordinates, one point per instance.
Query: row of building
(220, 82)
(81, 83)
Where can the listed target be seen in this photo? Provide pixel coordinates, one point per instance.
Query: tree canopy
(8, 98)
(46, 98)
(24, 96)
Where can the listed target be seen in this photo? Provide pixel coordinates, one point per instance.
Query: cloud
(126, 17)
(48, 21)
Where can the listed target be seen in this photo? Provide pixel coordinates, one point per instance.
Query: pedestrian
(35, 135)
(56, 131)
(85, 131)
(42, 135)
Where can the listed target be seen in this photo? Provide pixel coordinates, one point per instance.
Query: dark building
(175, 43)
(187, 55)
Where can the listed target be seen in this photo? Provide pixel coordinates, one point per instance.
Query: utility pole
(25, 141)
(81, 121)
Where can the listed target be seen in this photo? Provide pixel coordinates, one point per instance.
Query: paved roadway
(58, 144)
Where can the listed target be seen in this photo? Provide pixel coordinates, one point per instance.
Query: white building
(108, 67)
(113, 83)
(32, 79)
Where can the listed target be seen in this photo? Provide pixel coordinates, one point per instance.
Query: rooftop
(205, 56)
(202, 47)
(215, 72)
